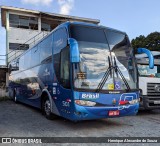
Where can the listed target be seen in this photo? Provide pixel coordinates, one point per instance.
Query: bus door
(62, 94)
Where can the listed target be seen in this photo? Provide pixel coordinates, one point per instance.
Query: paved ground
(22, 120)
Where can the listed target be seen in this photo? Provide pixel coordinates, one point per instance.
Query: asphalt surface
(22, 120)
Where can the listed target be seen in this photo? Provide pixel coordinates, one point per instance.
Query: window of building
(48, 25)
(16, 46)
(13, 20)
(25, 22)
(33, 23)
(45, 27)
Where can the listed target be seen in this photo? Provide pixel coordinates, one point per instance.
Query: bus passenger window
(64, 68)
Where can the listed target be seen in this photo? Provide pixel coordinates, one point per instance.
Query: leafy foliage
(151, 42)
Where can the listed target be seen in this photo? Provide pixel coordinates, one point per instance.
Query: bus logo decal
(90, 96)
(128, 96)
(46, 72)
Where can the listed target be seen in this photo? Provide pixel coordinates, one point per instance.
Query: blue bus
(80, 71)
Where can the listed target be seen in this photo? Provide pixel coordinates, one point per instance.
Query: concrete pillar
(7, 31)
(39, 23)
(7, 83)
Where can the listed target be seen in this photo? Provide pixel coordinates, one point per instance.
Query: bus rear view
(80, 71)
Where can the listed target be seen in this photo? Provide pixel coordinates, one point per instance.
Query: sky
(135, 17)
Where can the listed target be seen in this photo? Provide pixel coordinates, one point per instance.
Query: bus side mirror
(74, 51)
(149, 54)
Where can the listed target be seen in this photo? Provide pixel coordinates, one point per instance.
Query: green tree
(151, 42)
(138, 42)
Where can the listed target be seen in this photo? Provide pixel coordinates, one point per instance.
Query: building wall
(2, 92)
(19, 35)
(22, 36)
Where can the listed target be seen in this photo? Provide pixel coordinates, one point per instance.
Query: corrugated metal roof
(51, 15)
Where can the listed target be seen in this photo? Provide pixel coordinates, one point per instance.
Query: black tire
(46, 108)
(15, 97)
(148, 110)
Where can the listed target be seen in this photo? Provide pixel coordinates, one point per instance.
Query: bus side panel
(29, 84)
(41, 77)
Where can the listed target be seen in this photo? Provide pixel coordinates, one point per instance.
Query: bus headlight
(134, 101)
(85, 103)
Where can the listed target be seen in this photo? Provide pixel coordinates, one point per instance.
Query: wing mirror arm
(74, 51)
(149, 54)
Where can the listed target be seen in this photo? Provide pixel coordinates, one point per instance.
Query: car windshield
(97, 46)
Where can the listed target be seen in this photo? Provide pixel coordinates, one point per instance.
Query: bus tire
(15, 97)
(46, 108)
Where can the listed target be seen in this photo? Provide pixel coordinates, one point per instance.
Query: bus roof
(96, 25)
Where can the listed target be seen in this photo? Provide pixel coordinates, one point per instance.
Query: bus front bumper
(88, 113)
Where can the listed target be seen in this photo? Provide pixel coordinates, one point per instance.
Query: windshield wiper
(117, 70)
(105, 77)
(109, 72)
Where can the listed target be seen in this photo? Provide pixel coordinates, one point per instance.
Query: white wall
(19, 35)
(2, 92)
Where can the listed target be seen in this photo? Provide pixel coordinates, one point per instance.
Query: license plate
(113, 113)
(157, 102)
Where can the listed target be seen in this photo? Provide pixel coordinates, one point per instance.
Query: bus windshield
(99, 48)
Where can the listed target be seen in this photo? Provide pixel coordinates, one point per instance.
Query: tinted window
(26, 22)
(16, 46)
(64, 69)
(46, 27)
(119, 44)
(46, 48)
(60, 42)
(35, 55)
(88, 34)
(120, 47)
(116, 40)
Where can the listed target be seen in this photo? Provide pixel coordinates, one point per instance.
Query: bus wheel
(46, 108)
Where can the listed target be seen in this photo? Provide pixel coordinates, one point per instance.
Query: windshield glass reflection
(96, 46)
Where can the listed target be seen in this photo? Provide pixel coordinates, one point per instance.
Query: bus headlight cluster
(85, 103)
(134, 101)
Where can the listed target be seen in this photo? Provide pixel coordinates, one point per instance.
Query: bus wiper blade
(110, 66)
(105, 77)
(117, 70)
